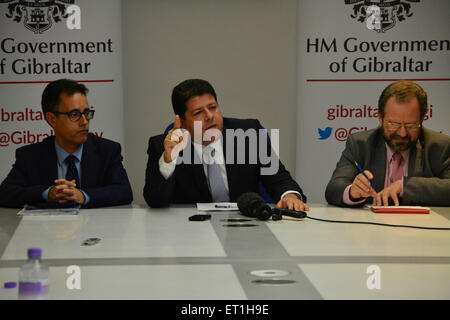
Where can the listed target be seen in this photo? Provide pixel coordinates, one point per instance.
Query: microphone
(290, 213)
(252, 205)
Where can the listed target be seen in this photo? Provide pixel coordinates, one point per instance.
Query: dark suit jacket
(103, 176)
(428, 181)
(188, 184)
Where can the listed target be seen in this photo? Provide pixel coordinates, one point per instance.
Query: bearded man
(404, 163)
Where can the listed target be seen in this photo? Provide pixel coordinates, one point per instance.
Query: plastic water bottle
(34, 277)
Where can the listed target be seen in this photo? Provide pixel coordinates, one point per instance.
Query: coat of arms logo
(388, 12)
(37, 15)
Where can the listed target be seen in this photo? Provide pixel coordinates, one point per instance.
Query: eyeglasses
(394, 126)
(75, 115)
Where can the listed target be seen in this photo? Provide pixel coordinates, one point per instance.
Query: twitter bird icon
(324, 134)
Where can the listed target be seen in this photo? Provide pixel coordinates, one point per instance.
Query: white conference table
(158, 254)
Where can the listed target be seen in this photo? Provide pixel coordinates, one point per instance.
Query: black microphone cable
(376, 223)
(252, 205)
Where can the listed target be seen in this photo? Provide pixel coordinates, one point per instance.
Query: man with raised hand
(198, 161)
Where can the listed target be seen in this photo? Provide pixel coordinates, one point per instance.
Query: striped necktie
(216, 183)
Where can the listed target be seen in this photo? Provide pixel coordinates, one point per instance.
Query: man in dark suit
(74, 166)
(406, 163)
(206, 158)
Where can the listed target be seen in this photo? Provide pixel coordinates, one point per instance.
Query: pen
(362, 171)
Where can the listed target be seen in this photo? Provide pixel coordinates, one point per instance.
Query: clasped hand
(64, 191)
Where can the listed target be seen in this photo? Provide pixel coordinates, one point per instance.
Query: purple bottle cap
(34, 253)
(9, 285)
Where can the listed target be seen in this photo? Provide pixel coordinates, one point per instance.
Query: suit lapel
(90, 163)
(199, 173)
(415, 160)
(379, 163)
(49, 163)
(231, 165)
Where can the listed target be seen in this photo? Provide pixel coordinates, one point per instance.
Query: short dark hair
(188, 89)
(52, 93)
(403, 90)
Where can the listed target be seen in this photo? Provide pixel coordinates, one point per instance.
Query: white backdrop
(332, 45)
(95, 55)
(263, 63)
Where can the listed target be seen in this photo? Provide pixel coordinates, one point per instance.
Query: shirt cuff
(346, 197)
(292, 191)
(86, 198)
(45, 194)
(166, 169)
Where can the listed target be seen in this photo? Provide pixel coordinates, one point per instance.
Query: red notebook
(400, 209)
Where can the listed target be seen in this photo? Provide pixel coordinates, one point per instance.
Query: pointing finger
(177, 122)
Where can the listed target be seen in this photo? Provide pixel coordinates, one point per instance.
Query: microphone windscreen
(245, 201)
(252, 205)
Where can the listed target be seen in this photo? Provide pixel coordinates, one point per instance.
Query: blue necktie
(219, 192)
(72, 172)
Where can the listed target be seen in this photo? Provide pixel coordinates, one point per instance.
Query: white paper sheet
(218, 206)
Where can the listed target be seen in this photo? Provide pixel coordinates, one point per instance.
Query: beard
(398, 143)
